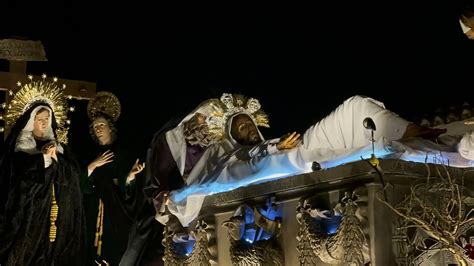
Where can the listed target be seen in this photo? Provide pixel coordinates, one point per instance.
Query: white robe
(337, 139)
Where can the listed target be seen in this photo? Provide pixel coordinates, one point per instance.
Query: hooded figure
(41, 213)
(172, 154)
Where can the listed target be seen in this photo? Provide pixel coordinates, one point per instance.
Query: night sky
(299, 61)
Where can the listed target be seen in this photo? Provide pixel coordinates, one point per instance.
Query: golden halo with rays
(104, 102)
(39, 91)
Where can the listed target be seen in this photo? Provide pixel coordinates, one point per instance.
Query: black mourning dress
(25, 203)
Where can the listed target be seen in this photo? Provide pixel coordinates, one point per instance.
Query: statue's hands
(160, 201)
(102, 159)
(289, 141)
(51, 150)
(136, 169)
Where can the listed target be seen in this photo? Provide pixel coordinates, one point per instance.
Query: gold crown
(229, 105)
(39, 91)
(106, 103)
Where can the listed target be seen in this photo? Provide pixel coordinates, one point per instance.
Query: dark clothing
(26, 206)
(108, 183)
(162, 174)
(193, 154)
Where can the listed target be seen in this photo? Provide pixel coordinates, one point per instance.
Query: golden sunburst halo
(104, 102)
(39, 91)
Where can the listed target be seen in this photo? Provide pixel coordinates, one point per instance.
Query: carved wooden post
(380, 224)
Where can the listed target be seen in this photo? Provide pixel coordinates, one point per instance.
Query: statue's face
(41, 123)
(102, 131)
(244, 130)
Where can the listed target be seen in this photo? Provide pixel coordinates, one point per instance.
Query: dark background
(299, 61)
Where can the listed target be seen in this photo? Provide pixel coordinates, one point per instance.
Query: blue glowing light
(330, 226)
(250, 234)
(184, 248)
(259, 173)
(332, 229)
(270, 213)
